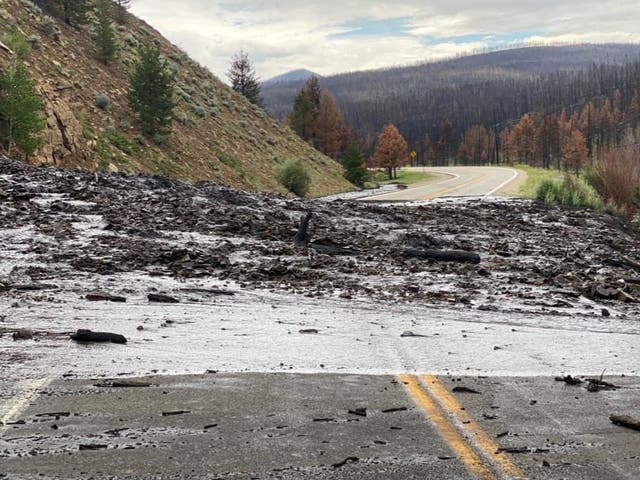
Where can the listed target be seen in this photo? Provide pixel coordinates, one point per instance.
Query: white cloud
(282, 35)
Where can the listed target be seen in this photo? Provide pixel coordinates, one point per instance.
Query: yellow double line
(479, 453)
(444, 191)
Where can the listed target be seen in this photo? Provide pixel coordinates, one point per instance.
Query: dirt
(58, 225)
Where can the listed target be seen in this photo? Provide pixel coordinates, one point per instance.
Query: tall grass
(571, 191)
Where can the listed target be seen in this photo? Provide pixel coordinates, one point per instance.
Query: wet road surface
(454, 182)
(289, 426)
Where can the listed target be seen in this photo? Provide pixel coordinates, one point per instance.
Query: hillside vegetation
(216, 134)
(483, 89)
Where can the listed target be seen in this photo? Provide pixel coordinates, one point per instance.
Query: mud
(65, 235)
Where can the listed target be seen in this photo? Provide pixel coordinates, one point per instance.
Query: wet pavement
(288, 426)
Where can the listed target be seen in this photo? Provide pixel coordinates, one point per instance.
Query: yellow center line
(486, 445)
(444, 191)
(472, 461)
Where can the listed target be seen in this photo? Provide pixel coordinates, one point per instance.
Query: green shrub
(102, 101)
(199, 111)
(228, 160)
(50, 27)
(160, 138)
(570, 191)
(294, 177)
(181, 117)
(130, 41)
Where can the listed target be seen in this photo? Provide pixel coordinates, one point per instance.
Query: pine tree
(151, 91)
(354, 168)
(391, 151)
(243, 78)
(21, 120)
(73, 12)
(312, 86)
(104, 35)
(301, 119)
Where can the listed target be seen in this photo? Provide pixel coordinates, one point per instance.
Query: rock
(345, 461)
(64, 134)
(175, 412)
(597, 384)
(360, 412)
(23, 334)
(92, 446)
(309, 331)
(605, 312)
(104, 297)
(395, 409)
(98, 337)
(123, 384)
(465, 390)
(456, 256)
(625, 421)
(569, 380)
(160, 298)
(410, 334)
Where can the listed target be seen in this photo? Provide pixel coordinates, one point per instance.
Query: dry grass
(616, 176)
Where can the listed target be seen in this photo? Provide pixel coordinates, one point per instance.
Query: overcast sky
(332, 36)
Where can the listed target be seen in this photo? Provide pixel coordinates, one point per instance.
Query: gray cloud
(282, 35)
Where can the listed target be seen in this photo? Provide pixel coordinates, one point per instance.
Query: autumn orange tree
(574, 151)
(330, 130)
(391, 151)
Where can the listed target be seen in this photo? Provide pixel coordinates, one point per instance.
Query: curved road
(455, 182)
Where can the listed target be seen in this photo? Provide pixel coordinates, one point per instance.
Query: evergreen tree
(151, 91)
(301, 119)
(312, 86)
(243, 78)
(104, 35)
(73, 12)
(21, 119)
(354, 168)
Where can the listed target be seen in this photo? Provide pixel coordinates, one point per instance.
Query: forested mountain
(444, 99)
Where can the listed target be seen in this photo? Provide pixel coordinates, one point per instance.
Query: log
(329, 247)
(625, 421)
(456, 256)
(159, 298)
(98, 337)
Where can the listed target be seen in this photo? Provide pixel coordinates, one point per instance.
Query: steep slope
(217, 135)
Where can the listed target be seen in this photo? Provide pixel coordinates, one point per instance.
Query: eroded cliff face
(63, 140)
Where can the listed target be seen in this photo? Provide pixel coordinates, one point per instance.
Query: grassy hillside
(216, 135)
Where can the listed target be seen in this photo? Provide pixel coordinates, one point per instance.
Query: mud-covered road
(203, 278)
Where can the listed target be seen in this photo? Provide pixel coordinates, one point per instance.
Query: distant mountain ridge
(300, 75)
(369, 99)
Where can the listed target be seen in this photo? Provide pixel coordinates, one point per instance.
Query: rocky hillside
(217, 135)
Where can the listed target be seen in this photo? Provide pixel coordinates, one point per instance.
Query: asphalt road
(455, 182)
(294, 426)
